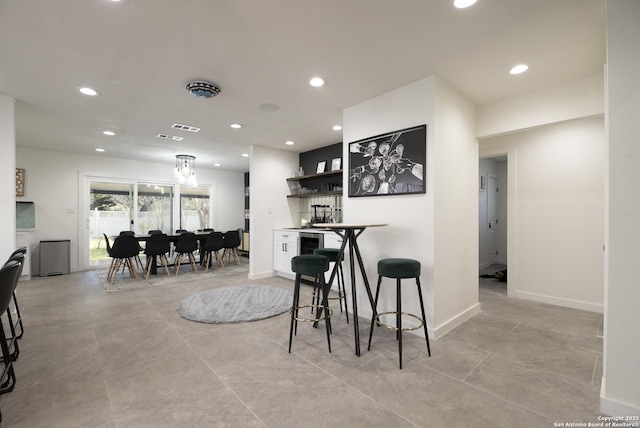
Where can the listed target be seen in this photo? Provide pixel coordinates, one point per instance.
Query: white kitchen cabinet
(285, 248)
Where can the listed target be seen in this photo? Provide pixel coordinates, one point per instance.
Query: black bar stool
(332, 255)
(316, 266)
(398, 269)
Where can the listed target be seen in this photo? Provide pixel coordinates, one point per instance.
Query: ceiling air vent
(185, 127)
(170, 137)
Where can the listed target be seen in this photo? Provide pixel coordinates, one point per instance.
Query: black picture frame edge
(424, 173)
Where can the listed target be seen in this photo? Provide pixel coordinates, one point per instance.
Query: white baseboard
(615, 408)
(483, 266)
(262, 275)
(453, 322)
(560, 301)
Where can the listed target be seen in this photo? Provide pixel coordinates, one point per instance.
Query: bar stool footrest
(316, 307)
(393, 327)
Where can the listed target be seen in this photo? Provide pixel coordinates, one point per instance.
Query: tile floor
(126, 359)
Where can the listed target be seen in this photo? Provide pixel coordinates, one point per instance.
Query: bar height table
(349, 233)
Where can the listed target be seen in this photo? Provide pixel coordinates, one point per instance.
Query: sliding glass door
(194, 208)
(110, 212)
(155, 208)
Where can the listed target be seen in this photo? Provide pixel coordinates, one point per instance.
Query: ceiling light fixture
(245, 155)
(316, 82)
(109, 133)
(203, 89)
(88, 91)
(289, 143)
(337, 128)
(99, 150)
(521, 68)
(185, 170)
(236, 125)
(462, 4)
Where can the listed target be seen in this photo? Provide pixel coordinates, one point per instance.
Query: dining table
(350, 233)
(173, 238)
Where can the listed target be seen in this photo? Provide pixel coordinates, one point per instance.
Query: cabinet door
(286, 247)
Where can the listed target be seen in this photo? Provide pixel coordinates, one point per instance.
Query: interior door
(492, 218)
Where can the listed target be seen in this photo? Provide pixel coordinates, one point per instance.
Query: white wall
(565, 101)
(270, 207)
(7, 177)
(558, 193)
(620, 394)
(56, 184)
(451, 172)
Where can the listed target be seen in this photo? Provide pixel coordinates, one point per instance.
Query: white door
(492, 218)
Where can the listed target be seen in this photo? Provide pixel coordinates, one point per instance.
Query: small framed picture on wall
(336, 164)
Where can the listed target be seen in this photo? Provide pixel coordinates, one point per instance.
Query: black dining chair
(157, 247)
(12, 341)
(154, 232)
(9, 275)
(132, 233)
(231, 244)
(125, 249)
(186, 245)
(22, 251)
(213, 244)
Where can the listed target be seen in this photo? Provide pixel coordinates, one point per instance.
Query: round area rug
(236, 304)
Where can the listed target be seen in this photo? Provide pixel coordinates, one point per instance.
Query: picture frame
(20, 176)
(336, 164)
(389, 164)
(321, 167)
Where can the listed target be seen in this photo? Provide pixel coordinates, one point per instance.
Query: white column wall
(7, 177)
(412, 218)
(270, 207)
(620, 394)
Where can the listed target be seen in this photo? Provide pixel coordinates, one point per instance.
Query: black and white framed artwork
(389, 164)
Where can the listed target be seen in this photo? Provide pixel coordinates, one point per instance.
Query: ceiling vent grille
(185, 127)
(170, 137)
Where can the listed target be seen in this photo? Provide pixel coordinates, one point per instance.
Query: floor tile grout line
(467, 384)
(595, 369)
(213, 371)
(476, 366)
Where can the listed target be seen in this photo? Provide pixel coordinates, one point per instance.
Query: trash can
(55, 257)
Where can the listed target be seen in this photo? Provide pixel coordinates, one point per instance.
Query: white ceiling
(140, 55)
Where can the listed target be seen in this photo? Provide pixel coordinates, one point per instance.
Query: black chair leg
(424, 318)
(375, 312)
(399, 320)
(294, 310)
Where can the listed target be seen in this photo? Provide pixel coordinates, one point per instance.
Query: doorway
(492, 199)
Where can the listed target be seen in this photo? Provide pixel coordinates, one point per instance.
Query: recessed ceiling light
(99, 150)
(216, 164)
(245, 155)
(461, 4)
(289, 143)
(316, 81)
(521, 68)
(337, 128)
(236, 125)
(88, 91)
(109, 133)
(119, 1)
